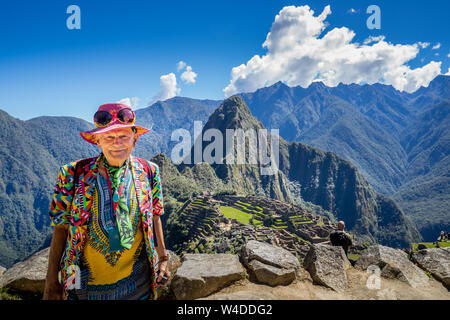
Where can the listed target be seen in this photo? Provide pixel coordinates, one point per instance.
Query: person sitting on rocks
(340, 238)
(444, 236)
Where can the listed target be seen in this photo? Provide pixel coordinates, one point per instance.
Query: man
(104, 209)
(340, 237)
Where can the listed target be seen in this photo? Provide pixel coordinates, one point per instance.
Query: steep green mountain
(233, 114)
(60, 136)
(425, 196)
(31, 153)
(307, 174)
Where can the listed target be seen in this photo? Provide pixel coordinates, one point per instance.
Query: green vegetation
(431, 245)
(31, 153)
(302, 240)
(5, 295)
(247, 207)
(297, 220)
(278, 227)
(233, 213)
(353, 256)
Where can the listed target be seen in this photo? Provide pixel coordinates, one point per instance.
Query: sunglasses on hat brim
(103, 118)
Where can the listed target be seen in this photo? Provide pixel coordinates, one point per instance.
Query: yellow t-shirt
(113, 274)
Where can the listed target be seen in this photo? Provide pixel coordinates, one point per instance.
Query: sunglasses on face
(103, 118)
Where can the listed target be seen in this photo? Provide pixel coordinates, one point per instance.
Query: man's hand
(52, 291)
(163, 271)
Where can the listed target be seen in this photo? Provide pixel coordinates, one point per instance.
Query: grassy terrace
(279, 227)
(197, 220)
(247, 207)
(302, 240)
(233, 213)
(431, 245)
(242, 212)
(258, 223)
(279, 224)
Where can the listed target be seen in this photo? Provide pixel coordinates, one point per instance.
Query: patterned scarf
(116, 177)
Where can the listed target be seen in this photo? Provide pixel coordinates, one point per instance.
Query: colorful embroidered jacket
(72, 209)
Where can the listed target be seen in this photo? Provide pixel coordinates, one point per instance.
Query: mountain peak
(439, 86)
(439, 80)
(233, 113)
(234, 103)
(317, 84)
(279, 84)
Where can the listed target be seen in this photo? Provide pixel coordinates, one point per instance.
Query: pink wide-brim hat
(115, 124)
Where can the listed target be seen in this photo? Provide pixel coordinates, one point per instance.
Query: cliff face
(337, 186)
(305, 174)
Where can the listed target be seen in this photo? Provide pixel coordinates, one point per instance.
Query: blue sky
(124, 47)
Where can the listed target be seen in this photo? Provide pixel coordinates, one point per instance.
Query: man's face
(116, 145)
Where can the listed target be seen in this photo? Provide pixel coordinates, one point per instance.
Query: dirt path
(304, 289)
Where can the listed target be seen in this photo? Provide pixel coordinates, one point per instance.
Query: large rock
(327, 266)
(202, 274)
(270, 264)
(271, 275)
(2, 270)
(394, 264)
(436, 261)
(27, 277)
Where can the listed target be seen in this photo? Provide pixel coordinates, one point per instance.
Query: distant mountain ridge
(374, 127)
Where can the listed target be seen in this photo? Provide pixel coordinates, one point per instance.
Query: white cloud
(423, 45)
(132, 102)
(448, 56)
(351, 11)
(181, 65)
(436, 46)
(412, 79)
(374, 39)
(297, 54)
(169, 89)
(448, 72)
(188, 76)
